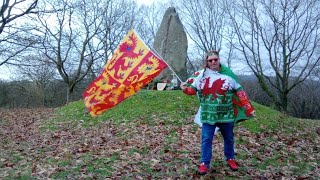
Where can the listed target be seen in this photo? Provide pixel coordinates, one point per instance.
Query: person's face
(213, 62)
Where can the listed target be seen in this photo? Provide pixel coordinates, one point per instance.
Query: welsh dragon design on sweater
(221, 97)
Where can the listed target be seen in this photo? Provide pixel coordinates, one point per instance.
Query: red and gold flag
(132, 66)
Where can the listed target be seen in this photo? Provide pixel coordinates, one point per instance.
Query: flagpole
(153, 50)
(167, 65)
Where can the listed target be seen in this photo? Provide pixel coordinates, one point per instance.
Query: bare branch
(278, 40)
(12, 10)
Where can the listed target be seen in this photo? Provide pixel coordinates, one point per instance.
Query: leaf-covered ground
(153, 141)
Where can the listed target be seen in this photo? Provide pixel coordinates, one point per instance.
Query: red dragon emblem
(127, 48)
(215, 89)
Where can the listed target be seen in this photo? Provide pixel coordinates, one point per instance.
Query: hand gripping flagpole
(167, 64)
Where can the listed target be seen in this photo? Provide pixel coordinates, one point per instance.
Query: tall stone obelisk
(172, 44)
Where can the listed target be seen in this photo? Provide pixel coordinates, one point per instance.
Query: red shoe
(233, 164)
(202, 169)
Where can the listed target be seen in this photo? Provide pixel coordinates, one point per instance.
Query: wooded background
(55, 48)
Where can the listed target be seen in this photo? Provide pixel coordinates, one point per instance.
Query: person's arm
(187, 90)
(245, 103)
(189, 87)
(243, 100)
(239, 92)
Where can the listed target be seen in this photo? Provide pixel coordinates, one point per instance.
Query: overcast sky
(149, 2)
(5, 74)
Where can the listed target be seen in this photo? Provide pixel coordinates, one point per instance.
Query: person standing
(223, 102)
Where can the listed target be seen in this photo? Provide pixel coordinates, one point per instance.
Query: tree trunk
(68, 95)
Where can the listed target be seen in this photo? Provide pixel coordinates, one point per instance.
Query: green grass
(169, 107)
(145, 107)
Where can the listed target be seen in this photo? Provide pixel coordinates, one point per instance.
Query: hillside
(150, 136)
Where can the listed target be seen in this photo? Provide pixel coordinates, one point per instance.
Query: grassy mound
(151, 135)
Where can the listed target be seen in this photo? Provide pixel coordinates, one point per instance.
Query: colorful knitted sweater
(222, 98)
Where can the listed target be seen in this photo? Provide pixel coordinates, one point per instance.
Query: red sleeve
(244, 102)
(190, 91)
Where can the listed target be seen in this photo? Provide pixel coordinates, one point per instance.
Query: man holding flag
(223, 102)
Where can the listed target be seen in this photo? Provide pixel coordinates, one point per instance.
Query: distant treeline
(303, 100)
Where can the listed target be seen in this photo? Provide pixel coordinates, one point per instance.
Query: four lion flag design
(132, 66)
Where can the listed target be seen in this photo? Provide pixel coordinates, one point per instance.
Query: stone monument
(172, 44)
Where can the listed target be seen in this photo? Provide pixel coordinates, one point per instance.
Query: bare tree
(70, 38)
(278, 41)
(13, 39)
(148, 19)
(305, 100)
(117, 18)
(40, 73)
(4, 93)
(12, 10)
(315, 75)
(205, 23)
